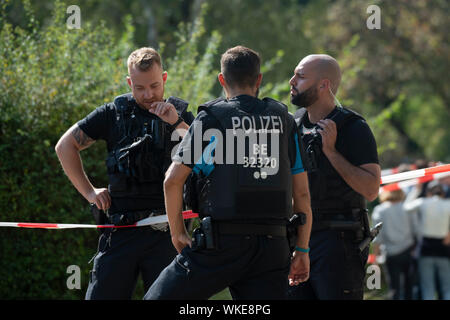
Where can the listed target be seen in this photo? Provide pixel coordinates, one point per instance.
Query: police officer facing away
(342, 163)
(137, 128)
(245, 174)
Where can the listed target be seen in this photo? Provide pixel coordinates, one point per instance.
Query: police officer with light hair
(243, 192)
(343, 172)
(137, 128)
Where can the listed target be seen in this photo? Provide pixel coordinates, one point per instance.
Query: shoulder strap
(344, 115)
(274, 102)
(124, 104)
(298, 116)
(206, 107)
(179, 104)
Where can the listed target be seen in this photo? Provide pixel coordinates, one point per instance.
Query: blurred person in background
(433, 213)
(397, 239)
(419, 190)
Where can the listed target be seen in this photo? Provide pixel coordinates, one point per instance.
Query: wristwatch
(180, 120)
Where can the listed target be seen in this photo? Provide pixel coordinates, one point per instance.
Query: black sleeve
(359, 144)
(187, 153)
(188, 117)
(95, 124)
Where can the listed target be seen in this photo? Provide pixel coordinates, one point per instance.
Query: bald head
(322, 66)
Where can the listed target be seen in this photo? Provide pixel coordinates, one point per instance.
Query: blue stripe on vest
(205, 163)
(298, 166)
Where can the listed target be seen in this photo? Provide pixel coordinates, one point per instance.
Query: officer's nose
(292, 81)
(147, 94)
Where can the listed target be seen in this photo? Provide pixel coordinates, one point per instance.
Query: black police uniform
(139, 149)
(339, 217)
(244, 202)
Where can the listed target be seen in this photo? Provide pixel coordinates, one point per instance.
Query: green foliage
(191, 76)
(51, 77)
(387, 72)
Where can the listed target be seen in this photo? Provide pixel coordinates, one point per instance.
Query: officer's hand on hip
(329, 135)
(180, 241)
(166, 111)
(299, 271)
(100, 197)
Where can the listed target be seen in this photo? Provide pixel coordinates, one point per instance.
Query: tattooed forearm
(82, 139)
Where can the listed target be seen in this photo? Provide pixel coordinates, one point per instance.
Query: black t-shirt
(102, 124)
(355, 141)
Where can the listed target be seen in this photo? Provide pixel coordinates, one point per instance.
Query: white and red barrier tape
(411, 178)
(144, 222)
(386, 172)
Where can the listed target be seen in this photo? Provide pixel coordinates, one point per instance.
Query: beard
(306, 98)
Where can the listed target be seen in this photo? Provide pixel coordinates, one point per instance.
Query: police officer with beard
(342, 163)
(137, 128)
(247, 171)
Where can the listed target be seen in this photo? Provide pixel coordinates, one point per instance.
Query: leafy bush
(51, 77)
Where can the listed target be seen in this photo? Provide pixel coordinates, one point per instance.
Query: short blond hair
(143, 59)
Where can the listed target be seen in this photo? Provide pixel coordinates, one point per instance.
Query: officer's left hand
(166, 111)
(329, 135)
(300, 266)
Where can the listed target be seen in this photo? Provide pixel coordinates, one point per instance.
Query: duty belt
(345, 219)
(251, 229)
(127, 218)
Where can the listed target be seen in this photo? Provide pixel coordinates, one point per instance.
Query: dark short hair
(240, 66)
(434, 188)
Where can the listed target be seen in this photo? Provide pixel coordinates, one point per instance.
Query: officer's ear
(129, 81)
(221, 80)
(325, 85)
(258, 81)
(164, 76)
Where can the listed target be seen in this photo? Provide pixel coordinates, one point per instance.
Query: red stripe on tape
(37, 225)
(189, 214)
(438, 169)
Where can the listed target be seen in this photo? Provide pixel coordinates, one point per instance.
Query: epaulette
(210, 103)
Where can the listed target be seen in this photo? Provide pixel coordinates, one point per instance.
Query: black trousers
(337, 268)
(122, 255)
(252, 267)
(398, 265)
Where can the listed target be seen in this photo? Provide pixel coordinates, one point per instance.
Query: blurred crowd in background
(413, 246)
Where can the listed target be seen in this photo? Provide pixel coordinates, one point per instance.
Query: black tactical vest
(329, 192)
(137, 163)
(257, 184)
